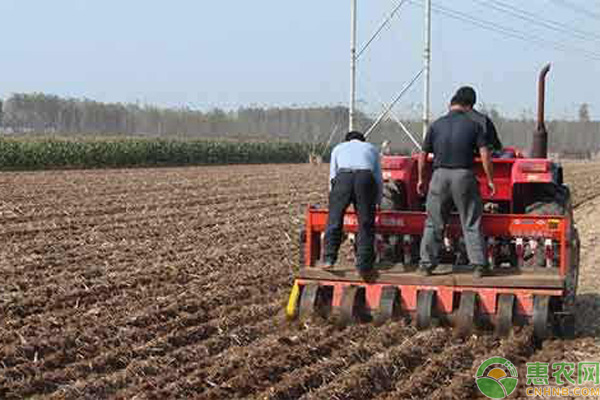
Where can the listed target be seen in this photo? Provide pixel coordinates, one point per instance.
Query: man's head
(355, 135)
(464, 97)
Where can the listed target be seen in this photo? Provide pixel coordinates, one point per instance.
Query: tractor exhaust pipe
(540, 136)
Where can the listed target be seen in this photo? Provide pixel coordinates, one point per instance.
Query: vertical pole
(427, 61)
(352, 108)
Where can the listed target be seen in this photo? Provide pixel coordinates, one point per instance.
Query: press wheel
(389, 305)
(309, 301)
(504, 315)
(425, 300)
(350, 307)
(541, 317)
(466, 313)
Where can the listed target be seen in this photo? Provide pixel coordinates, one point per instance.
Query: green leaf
(491, 388)
(510, 384)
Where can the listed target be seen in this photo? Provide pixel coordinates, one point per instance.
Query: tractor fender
(533, 170)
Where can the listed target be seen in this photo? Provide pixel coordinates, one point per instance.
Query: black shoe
(480, 271)
(424, 270)
(327, 265)
(368, 274)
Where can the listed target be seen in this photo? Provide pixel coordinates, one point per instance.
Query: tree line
(40, 113)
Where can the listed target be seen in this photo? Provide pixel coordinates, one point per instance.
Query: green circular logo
(497, 378)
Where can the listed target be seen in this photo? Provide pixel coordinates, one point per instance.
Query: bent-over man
(453, 140)
(355, 178)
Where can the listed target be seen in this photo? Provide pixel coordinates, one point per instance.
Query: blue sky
(206, 54)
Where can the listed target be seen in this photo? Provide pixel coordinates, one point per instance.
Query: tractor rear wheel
(302, 247)
(546, 208)
(393, 199)
(573, 275)
(559, 205)
(555, 200)
(394, 196)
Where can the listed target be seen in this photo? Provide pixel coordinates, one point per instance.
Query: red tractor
(533, 248)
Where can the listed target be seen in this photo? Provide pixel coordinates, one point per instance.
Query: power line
(535, 19)
(510, 32)
(514, 33)
(381, 28)
(389, 108)
(578, 9)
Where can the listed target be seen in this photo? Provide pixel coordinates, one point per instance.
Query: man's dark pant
(460, 186)
(359, 188)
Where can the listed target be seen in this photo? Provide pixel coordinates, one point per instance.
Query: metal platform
(444, 275)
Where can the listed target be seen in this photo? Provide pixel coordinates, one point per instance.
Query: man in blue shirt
(355, 177)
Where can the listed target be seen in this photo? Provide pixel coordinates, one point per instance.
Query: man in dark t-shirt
(453, 140)
(489, 129)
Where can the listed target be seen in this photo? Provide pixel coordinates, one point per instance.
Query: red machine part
(555, 228)
(445, 296)
(508, 173)
(457, 297)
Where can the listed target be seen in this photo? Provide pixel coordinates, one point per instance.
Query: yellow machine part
(291, 310)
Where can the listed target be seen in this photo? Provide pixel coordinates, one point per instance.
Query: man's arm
(422, 160)
(332, 167)
(481, 142)
(378, 176)
(488, 167)
(494, 140)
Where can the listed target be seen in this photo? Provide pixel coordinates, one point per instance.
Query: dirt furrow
(69, 369)
(380, 373)
(294, 384)
(516, 349)
(255, 372)
(438, 371)
(184, 312)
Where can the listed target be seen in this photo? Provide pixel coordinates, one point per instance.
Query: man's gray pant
(459, 186)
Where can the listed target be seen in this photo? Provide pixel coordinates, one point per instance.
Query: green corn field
(26, 154)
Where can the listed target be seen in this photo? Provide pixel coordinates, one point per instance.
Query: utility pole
(427, 67)
(352, 108)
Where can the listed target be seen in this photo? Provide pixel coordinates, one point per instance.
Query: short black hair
(355, 135)
(465, 96)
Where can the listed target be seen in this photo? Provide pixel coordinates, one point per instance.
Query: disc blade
(504, 315)
(348, 306)
(389, 305)
(424, 308)
(308, 301)
(466, 313)
(541, 317)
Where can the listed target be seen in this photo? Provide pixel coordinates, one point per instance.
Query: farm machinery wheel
(393, 197)
(465, 319)
(389, 305)
(573, 275)
(313, 302)
(565, 319)
(352, 306)
(425, 303)
(504, 316)
(542, 317)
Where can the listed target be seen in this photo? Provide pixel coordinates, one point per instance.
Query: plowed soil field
(170, 283)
